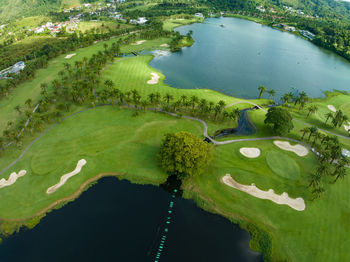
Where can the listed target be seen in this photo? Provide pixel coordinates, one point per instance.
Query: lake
(119, 221)
(242, 55)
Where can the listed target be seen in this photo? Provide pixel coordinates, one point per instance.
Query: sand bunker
(154, 80)
(164, 45)
(69, 56)
(297, 149)
(332, 108)
(12, 179)
(250, 152)
(297, 203)
(65, 177)
(139, 42)
(347, 127)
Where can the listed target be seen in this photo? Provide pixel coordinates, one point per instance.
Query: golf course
(264, 182)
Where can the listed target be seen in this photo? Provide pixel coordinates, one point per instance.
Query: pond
(239, 57)
(119, 221)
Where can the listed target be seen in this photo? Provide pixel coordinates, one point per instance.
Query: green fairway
(110, 139)
(282, 165)
(296, 236)
(31, 88)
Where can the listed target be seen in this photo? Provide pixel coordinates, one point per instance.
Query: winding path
(205, 131)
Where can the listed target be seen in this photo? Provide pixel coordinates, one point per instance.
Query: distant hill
(12, 9)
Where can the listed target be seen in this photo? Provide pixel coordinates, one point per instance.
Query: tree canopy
(184, 154)
(281, 120)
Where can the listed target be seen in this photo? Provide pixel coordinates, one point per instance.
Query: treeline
(39, 58)
(80, 85)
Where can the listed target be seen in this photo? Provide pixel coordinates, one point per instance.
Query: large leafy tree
(184, 154)
(281, 120)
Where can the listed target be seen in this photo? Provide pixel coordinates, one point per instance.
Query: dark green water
(119, 221)
(239, 57)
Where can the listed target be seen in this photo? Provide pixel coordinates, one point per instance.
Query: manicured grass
(179, 20)
(133, 73)
(104, 25)
(282, 165)
(338, 100)
(320, 233)
(110, 139)
(31, 88)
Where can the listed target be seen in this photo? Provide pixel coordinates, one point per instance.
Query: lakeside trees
(281, 120)
(184, 154)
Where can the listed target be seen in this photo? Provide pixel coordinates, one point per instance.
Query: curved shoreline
(75, 195)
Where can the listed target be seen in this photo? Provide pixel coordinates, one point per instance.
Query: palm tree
(28, 102)
(315, 179)
(194, 100)
(328, 116)
(18, 109)
(183, 99)
(271, 93)
(151, 98)
(262, 89)
(168, 97)
(317, 192)
(312, 130)
(304, 130)
(317, 135)
(217, 110)
(222, 104)
(211, 104)
(312, 109)
(109, 83)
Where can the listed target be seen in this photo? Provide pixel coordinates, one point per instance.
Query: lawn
(31, 88)
(133, 73)
(320, 233)
(179, 20)
(110, 139)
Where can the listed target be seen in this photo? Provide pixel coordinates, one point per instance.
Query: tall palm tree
(304, 130)
(312, 130)
(328, 116)
(317, 192)
(183, 99)
(217, 110)
(194, 100)
(262, 89)
(271, 93)
(315, 179)
(28, 102)
(312, 110)
(168, 97)
(222, 104)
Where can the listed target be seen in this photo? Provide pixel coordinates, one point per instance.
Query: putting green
(283, 165)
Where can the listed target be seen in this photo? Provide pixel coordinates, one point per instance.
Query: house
(15, 69)
(141, 20)
(261, 8)
(307, 34)
(200, 15)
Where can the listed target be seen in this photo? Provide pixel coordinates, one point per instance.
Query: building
(307, 34)
(200, 15)
(15, 69)
(140, 21)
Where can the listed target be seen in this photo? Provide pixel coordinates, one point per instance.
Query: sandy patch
(12, 179)
(139, 42)
(250, 152)
(297, 203)
(65, 177)
(347, 127)
(297, 149)
(332, 108)
(164, 45)
(154, 80)
(69, 56)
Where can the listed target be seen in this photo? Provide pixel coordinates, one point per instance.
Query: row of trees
(332, 164)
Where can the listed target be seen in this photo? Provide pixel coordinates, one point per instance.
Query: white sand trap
(139, 42)
(250, 152)
(164, 45)
(297, 203)
(347, 127)
(297, 149)
(69, 56)
(12, 179)
(65, 177)
(154, 80)
(332, 108)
